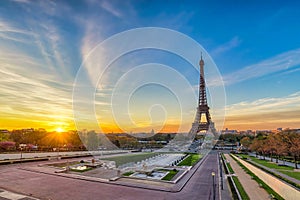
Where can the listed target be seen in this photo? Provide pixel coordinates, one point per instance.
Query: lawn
(293, 174)
(267, 163)
(190, 160)
(128, 173)
(229, 168)
(170, 175)
(120, 160)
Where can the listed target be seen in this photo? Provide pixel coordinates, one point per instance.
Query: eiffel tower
(202, 120)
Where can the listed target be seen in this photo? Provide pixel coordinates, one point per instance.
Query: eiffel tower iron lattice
(202, 120)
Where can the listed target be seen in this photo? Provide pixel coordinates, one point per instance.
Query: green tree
(4, 137)
(246, 142)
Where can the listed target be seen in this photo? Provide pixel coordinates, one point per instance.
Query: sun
(59, 130)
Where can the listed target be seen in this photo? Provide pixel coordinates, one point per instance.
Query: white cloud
(9, 31)
(234, 42)
(36, 81)
(108, 6)
(266, 113)
(21, 1)
(281, 62)
(266, 105)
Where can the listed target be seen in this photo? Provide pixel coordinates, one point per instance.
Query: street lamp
(22, 146)
(213, 179)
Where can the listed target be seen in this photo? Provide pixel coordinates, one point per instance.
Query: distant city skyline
(255, 46)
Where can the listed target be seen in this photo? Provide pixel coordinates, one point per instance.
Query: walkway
(7, 195)
(251, 186)
(46, 186)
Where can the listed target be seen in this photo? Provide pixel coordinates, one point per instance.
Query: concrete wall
(286, 191)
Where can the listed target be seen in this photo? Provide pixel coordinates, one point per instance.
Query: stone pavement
(251, 187)
(54, 187)
(7, 195)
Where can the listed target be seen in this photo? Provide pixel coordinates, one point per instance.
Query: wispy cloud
(108, 6)
(234, 42)
(281, 62)
(25, 98)
(266, 105)
(21, 1)
(266, 112)
(9, 31)
(36, 83)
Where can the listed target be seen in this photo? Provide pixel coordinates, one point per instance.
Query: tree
(260, 146)
(246, 142)
(292, 141)
(276, 145)
(295, 149)
(4, 137)
(271, 145)
(255, 145)
(7, 145)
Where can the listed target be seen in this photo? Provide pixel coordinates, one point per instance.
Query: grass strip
(190, 160)
(128, 173)
(170, 175)
(120, 160)
(229, 168)
(240, 188)
(267, 163)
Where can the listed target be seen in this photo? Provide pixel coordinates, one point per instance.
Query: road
(45, 186)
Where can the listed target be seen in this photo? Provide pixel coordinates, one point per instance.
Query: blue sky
(255, 45)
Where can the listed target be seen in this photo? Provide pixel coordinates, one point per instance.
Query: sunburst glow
(59, 129)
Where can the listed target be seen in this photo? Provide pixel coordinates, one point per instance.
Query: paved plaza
(197, 184)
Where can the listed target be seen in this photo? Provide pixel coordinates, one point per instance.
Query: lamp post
(22, 146)
(221, 172)
(213, 179)
(21, 154)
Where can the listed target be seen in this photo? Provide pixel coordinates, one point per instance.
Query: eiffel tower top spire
(202, 88)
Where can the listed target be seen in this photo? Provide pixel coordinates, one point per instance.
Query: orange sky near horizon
(244, 123)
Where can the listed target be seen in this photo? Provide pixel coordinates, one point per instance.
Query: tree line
(281, 145)
(41, 140)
